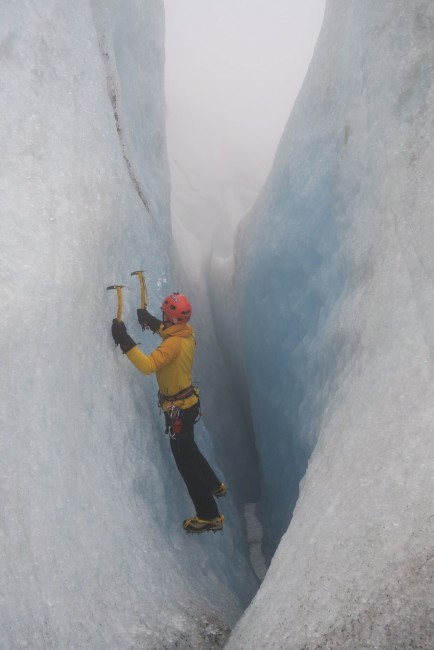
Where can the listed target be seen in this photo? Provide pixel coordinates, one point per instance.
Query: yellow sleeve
(141, 361)
(164, 354)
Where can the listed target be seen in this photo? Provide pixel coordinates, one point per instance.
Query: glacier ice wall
(333, 288)
(92, 550)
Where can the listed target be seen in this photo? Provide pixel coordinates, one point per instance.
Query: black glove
(147, 320)
(121, 336)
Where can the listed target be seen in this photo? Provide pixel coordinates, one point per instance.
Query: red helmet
(177, 308)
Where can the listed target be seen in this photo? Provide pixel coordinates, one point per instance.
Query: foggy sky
(233, 71)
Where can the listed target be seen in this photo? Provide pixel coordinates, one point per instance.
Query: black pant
(193, 467)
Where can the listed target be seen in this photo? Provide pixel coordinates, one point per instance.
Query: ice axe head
(118, 288)
(143, 289)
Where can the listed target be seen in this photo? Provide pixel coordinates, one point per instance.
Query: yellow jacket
(172, 362)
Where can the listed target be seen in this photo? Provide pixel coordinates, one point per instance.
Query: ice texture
(334, 295)
(92, 550)
(329, 345)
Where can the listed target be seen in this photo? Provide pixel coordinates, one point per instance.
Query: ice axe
(143, 293)
(143, 289)
(118, 288)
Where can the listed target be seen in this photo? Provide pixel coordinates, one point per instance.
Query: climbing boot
(196, 525)
(221, 491)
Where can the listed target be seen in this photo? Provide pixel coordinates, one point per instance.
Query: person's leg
(189, 418)
(196, 472)
(211, 480)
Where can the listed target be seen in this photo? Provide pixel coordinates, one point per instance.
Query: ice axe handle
(118, 288)
(143, 289)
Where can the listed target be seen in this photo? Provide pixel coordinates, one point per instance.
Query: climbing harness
(174, 413)
(185, 393)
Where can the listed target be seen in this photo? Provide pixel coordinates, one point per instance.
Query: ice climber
(172, 362)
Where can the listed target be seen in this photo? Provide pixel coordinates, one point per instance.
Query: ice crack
(112, 93)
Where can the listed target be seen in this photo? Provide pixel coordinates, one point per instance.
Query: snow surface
(92, 550)
(333, 287)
